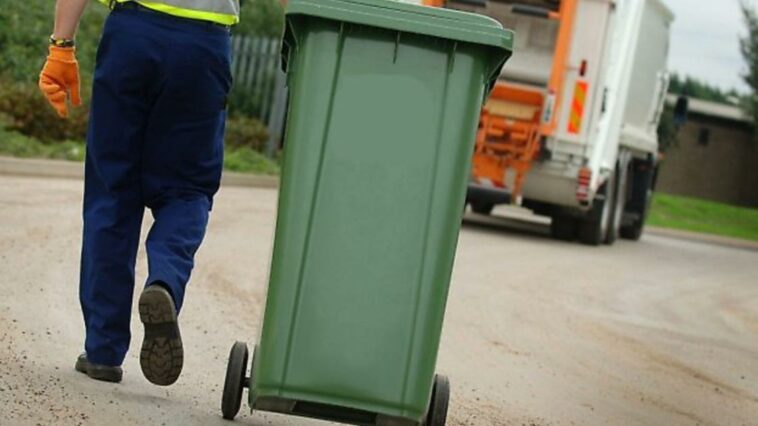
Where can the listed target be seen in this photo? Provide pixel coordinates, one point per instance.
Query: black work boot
(162, 355)
(97, 371)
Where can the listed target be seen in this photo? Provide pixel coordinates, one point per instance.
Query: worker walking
(155, 140)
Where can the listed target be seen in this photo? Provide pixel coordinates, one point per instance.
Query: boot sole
(103, 374)
(162, 354)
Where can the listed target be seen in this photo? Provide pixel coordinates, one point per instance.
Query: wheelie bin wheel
(236, 380)
(437, 415)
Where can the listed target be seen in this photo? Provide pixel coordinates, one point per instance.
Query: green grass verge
(248, 160)
(17, 145)
(14, 144)
(691, 214)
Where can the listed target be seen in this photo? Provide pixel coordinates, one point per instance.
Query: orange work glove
(60, 78)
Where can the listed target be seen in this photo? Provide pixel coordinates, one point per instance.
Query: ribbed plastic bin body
(379, 138)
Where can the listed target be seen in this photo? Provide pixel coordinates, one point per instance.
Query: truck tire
(618, 203)
(590, 232)
(563, 227)
(641, 180)
(482, 207)
(593, 229)
(632, 232)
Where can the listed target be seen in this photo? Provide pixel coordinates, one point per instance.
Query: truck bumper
(487, 194)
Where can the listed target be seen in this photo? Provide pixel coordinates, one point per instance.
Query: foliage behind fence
(259, 84)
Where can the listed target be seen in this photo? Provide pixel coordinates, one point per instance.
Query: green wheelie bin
(384, 105)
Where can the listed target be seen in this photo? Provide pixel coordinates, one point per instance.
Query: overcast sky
(705, 40)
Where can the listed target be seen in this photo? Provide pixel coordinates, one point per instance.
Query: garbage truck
(570, 129)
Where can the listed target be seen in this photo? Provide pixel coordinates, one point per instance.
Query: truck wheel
(593, 229)
(642, 176)
(632, 232)
(437, 415)
(482, 207)
(563, 227)
(590, 232)
(236, 380)
(617, 211)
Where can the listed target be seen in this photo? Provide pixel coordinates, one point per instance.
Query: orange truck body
(512, 122)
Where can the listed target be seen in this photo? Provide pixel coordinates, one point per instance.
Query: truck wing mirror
(680, 111)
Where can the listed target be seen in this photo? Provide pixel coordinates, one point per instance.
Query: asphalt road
(538, 332)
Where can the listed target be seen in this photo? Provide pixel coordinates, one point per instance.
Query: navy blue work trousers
(155, 141)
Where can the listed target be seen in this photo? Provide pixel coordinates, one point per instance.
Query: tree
(694, 88)
(749, 49)
(261, 17)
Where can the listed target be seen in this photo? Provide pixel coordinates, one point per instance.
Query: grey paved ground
(664, 331)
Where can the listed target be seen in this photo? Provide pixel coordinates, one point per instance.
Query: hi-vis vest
(225, 12)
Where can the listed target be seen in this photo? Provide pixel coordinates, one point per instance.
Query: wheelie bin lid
(404, 17)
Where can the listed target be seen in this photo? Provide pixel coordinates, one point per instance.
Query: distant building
(715, 157)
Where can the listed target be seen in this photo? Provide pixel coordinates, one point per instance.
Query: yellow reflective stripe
(218, 18)
(577, 107)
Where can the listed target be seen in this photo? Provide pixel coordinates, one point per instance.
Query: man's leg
(174, 239)
(113, 205)
(182, 171)
(109, 247)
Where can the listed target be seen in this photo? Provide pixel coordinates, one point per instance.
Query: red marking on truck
(583, 184)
